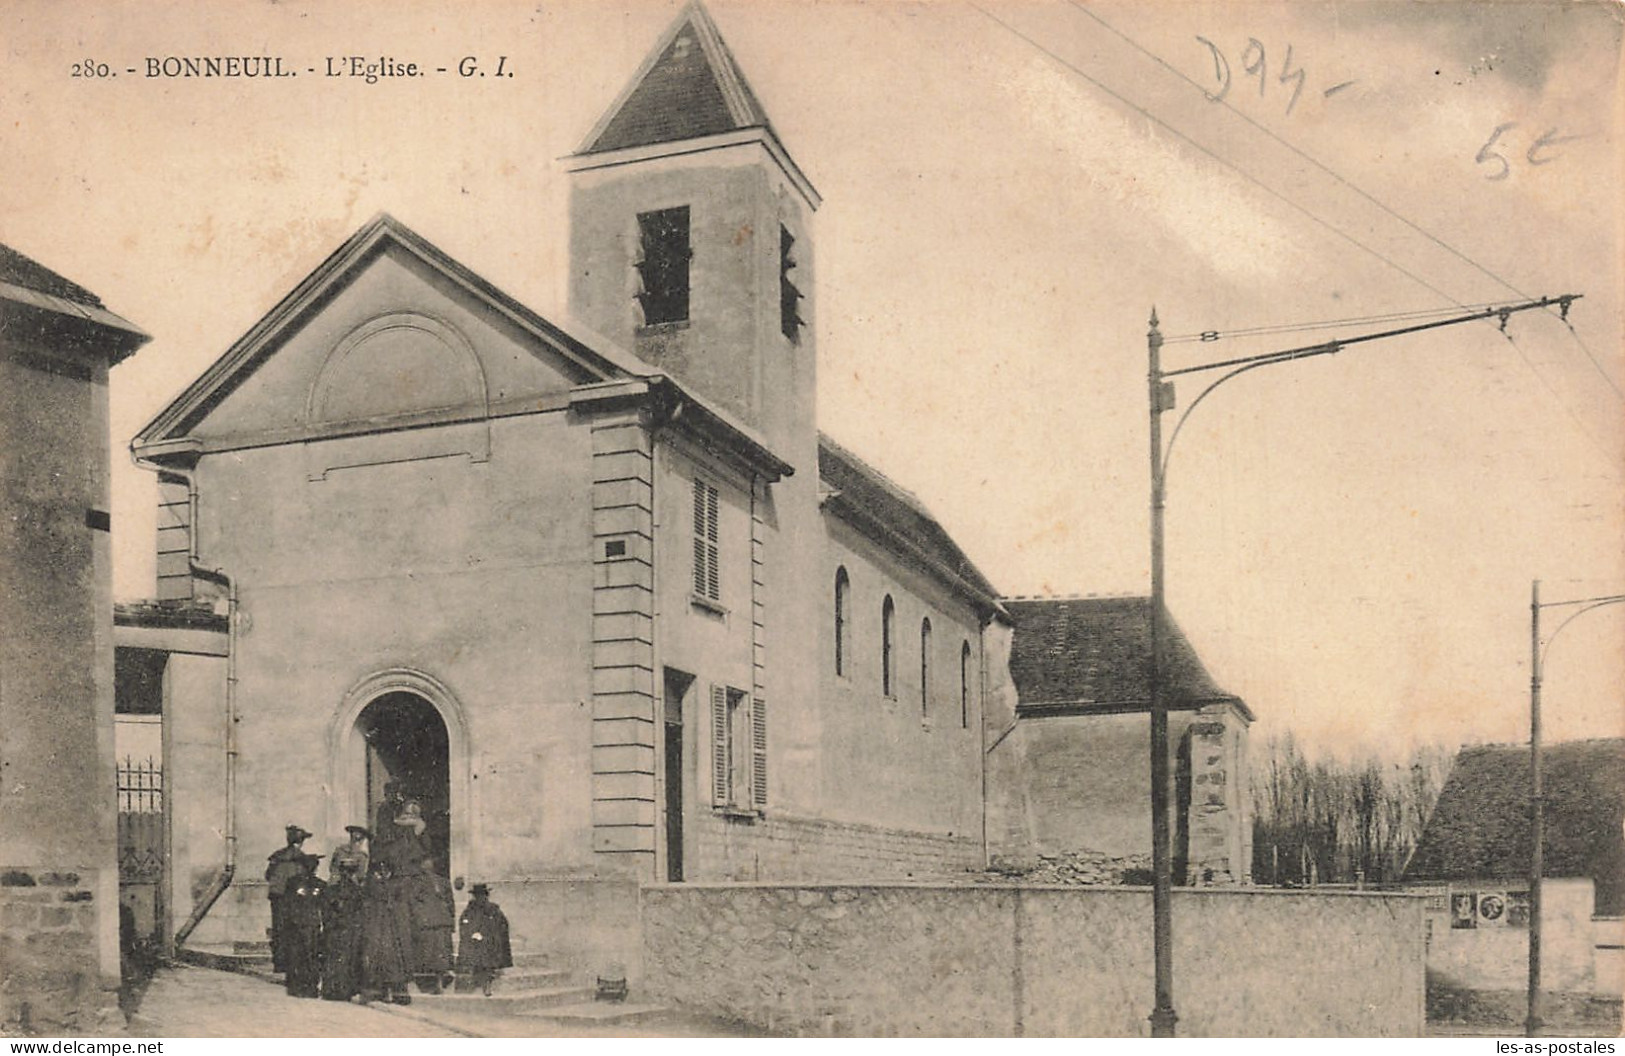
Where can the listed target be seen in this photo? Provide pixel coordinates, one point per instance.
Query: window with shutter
(707, 575)
(664, 250)
(790, 321)
(721, 765)
(758, 753)
(738, 750)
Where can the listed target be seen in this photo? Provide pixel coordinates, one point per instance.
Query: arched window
(888, 616)
(843, 587)
(925, 667)
(964, 685)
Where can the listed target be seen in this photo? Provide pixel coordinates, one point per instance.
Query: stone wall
(923, 960)
(1497, 958)
(791, 848)
(50, 956)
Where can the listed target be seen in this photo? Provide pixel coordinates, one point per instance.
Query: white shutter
(758, 753)
(720, 763)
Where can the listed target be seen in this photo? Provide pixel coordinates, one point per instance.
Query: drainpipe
(228, 868)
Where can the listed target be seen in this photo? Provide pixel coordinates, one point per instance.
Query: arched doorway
(404, 725)
(407, 745)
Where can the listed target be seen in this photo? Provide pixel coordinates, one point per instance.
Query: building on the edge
(598, 591)
(1474, 858)
(59, 954)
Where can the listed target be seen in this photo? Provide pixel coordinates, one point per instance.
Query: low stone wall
(51, 978)
(929, 960)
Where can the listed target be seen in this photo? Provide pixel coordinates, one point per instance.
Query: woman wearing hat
(283, 865)
(386, 936)
(350, 857)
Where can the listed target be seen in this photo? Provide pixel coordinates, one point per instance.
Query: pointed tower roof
(689, 87)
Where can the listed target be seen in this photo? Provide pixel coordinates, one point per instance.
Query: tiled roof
(689, 87)
(1069, 653)
(36, 302)
(1480, 826)
(864, 497)
(18, 270)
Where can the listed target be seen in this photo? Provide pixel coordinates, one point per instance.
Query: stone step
(526, 978)
(598, 1014)
(531, 999)
(529, 959)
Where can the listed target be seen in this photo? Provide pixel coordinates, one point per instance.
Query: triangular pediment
(387, 327)
(689, 87)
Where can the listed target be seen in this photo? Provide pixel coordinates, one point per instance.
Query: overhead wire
(1322, 324)
(1334, 229)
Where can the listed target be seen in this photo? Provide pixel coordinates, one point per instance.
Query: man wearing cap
(282, 865)
(302, 902)
(352, 856)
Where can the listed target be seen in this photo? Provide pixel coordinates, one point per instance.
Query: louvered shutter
(758, 753)
(706, 580)
(699, 539)
(720, 764)
(713, 588)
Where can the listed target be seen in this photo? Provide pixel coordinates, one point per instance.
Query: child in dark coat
(482, 939)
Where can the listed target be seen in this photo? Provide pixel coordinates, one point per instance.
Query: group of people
(383, 918)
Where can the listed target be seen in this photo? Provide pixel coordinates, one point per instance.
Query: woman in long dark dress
(342, 936)
(302, 903)
(434, 915)
(386, 937)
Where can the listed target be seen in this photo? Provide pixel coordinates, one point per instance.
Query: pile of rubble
(1074, 868)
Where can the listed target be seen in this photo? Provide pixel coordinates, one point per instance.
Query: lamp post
(1160, 397)
(1537, 816)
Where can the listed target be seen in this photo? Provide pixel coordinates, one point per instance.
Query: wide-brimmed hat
(296, 834)
(480, 889)
(358, 830)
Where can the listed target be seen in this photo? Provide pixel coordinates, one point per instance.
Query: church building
(599, 594)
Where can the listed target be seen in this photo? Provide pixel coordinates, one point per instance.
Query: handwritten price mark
(1255, 63)
(1537, 154)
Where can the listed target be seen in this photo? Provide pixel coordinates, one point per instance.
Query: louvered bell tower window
(707, 578)
(790, 320)
(664, 253)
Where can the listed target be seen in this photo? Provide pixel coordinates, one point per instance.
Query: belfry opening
(408, 748)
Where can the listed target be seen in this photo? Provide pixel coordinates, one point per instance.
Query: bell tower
(690, 240)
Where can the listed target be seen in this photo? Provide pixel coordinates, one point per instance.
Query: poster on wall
(1464, 910)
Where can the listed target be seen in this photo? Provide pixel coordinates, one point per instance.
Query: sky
(1009, 189)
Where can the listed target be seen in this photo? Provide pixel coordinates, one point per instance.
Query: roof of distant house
(1094, 654)
(1480, 828)
(42, 299)
(18, 270)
